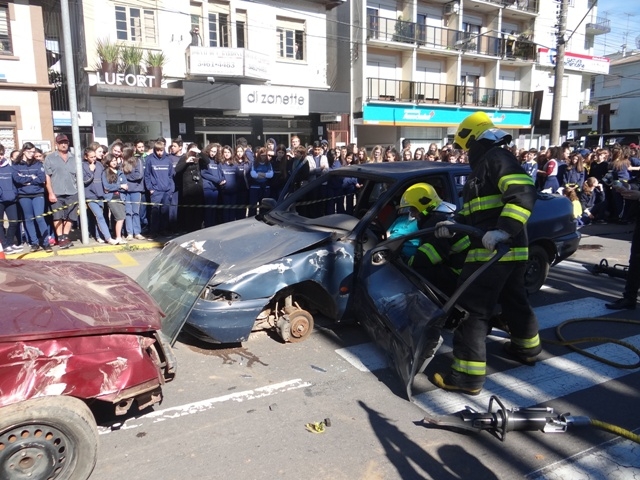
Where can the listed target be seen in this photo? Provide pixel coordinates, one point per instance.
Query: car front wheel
(47, 437)
(537, 269)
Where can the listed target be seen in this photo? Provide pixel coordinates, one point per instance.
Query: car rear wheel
(537, 269)
(48, 438)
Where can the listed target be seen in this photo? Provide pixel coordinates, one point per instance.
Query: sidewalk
(609, 241)
(92, 247)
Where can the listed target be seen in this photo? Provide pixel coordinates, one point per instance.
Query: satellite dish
(638, 42)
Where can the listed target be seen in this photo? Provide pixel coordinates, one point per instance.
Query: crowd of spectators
(146, 189)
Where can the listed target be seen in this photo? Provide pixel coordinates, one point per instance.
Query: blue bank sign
(438, 116)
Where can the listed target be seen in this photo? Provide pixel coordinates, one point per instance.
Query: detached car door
(401, 312)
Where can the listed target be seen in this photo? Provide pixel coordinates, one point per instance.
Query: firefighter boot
(526, 356)
(459, 382)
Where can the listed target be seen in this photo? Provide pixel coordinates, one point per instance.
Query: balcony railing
(597, 26)
(381, 89)
(390, 30)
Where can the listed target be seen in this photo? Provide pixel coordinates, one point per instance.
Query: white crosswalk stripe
(524, 386)
(367, 357)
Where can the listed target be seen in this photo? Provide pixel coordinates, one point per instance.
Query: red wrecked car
(73, 335)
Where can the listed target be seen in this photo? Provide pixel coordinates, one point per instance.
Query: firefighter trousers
(502, 283)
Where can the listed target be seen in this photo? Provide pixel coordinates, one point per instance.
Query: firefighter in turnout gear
(439, 260)
(498, 198)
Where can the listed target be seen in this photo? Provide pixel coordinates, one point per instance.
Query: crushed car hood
(241, 246)
(61, 299)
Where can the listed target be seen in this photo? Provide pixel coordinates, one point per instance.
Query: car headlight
(216, 295)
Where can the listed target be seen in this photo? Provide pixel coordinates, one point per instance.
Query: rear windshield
(175, 279)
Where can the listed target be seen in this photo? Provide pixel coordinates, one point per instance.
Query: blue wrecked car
(302, 256)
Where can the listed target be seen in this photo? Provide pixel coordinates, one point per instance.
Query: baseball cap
(634, 145)
(62, 138)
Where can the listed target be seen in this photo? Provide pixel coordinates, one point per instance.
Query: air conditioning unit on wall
(451, 8)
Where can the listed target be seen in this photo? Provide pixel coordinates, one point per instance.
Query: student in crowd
(188, 179)
(391, 155)
(8, 205)
(62, 189)
(280, 164)
(213, 182)
(174, 155)
(92, 171)
(260, 175)
(407, 156)
(376, 154)
(133, 170)
(158, 180)
(363, 156)
(231, 188)
(574, 174)
(336, 202)
(419, 154)
(30, 179)
(115, 186)
(350, 185)
(243, 159)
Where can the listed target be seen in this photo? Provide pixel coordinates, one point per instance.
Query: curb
(87, 249)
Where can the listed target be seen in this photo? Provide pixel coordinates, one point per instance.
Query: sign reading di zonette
(270, 100)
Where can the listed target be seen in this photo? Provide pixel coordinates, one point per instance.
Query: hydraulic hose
(571, 343)
(607, 427)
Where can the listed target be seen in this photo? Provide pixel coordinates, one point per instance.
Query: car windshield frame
(284, 211)
(176, 279)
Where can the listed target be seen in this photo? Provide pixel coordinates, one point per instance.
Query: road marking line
(368, 357)
(125, 260)
(608, 457)
(204, 405)
(525, 386)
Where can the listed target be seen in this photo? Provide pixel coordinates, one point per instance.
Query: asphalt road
(240, 411)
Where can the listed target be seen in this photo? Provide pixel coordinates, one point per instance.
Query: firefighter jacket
(434, 251)
(497, 195)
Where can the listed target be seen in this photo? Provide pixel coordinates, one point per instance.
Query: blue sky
(624, 16)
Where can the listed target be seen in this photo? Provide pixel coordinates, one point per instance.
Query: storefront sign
(438, 116)
(268, 100)
(131, 131)
(127, 79)
(574, 61)
(216, 61)
(257, 65)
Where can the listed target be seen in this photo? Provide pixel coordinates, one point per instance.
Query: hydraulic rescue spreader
(502, 420)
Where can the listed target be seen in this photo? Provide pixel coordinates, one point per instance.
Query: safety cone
(2, 255)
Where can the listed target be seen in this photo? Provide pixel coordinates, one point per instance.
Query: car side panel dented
(91, 367)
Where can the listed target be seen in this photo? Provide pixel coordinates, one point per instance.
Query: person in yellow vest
(498, 198)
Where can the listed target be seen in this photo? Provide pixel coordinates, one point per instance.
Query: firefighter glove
(494, 237)
(442, 230)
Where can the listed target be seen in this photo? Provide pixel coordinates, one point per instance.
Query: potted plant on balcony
(131, 57)
(108, 55)
(154, 62)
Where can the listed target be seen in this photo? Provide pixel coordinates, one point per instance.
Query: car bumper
(221, 322)
(566, 246)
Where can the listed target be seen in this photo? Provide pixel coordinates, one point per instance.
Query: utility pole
(73, 110)
(556, 109)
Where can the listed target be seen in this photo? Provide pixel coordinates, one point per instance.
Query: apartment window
(290, 38)
(373, 26)
(5, 33)
(219, 30)
(136, 25)
(241, 29)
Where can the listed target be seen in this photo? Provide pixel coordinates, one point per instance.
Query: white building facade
(419, 67)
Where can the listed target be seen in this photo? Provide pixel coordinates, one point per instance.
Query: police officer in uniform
(498, 198)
